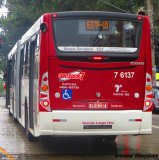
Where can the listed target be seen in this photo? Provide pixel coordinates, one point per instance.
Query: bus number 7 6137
(124, 74)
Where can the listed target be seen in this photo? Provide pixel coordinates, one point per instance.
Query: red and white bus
(82, 74)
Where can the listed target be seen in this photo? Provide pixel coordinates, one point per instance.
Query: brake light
(45, 103)
(44, 92)
(97, 58)
(148, 104)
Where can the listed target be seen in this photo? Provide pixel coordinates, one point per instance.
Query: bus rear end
(99, 75)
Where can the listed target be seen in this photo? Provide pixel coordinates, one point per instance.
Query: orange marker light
(149, 88)
(44, 88)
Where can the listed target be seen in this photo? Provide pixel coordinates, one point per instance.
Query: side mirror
(43, 27)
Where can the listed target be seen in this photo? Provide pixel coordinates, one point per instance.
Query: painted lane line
(157, 127)
(5, 153)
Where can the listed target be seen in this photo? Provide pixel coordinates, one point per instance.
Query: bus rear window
(97, 35)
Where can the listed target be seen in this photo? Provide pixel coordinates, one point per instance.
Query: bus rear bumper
(84, 123)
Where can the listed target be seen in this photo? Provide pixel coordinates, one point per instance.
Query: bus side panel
(148, 50)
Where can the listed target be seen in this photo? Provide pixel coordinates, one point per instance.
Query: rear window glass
(92, 35)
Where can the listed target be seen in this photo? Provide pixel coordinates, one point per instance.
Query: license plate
(97, 127)
(98, 105)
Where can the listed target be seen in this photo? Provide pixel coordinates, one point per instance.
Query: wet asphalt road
(15, 146)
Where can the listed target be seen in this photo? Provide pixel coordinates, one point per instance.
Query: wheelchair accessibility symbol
(67, 94)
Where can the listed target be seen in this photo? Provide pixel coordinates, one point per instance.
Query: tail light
(45, 103)
(148, 104)
(44, 92)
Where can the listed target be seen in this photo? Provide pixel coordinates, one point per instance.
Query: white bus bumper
(94, 123)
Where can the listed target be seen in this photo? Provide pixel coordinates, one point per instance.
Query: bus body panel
(74, 122)
(110, 84)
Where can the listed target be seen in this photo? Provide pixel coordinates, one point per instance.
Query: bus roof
(34, 29)
(12, 52)
(98, 14)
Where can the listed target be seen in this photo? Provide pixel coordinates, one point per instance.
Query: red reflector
(59, 120)
(138, 120)
(45, 79)
(43, 95)
(56, 120)
(149, 96)
(135, 120)
(148, 80)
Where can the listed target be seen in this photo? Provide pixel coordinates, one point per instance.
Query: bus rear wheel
(10, 114)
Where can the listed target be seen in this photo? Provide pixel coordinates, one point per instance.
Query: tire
(10, 114)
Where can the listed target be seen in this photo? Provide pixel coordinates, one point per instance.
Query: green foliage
(1, 85)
